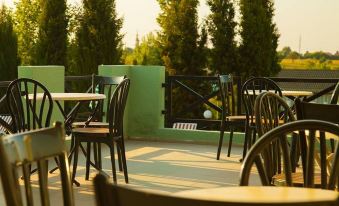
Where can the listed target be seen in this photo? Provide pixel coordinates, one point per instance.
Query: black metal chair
(249, 91)
(29, 110)
(278, 137)
(228, 117)
(23, 149)
(102, 85)
(109, 136)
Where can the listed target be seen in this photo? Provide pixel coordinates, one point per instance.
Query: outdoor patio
(158, 166)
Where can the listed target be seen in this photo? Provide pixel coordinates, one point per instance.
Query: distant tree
(26, 25)
(147, 51)
(293, 55)
(259, 38)
(98, 38)
(179, 36)
(9, 46)
(221, 27)
(284, 52)
(52, 37)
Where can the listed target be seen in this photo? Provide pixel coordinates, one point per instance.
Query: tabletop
(264, 195)
(71, 96)
(294, 93)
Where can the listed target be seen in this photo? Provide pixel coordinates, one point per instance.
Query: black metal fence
(207, 98)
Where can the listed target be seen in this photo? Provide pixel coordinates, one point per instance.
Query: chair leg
(119, 158)
(221, 138)
(75, 161)
(88, 159)
(230, 141)
(247, 131)
(111, 147)
(123, 158)
(95, 154)
(99, 156)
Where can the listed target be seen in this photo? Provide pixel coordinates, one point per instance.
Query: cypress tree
(27, 27)
(179, 36)
(221, 27)
(259, 35)
(98, 38)
(52, 38)
(9, 46)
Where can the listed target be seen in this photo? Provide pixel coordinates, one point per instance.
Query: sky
(312, 24)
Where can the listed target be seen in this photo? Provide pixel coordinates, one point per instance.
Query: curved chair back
(227, 95)
(30, 104)
(104, 85)
(305, 129)
(271, 111)
(117, 108)
(251, 89)
(23, 149)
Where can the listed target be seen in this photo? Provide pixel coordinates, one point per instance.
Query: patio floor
(166, 167)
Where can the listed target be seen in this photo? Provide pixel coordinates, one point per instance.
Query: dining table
(265, 195)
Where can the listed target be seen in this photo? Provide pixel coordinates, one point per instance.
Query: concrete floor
(166, 167)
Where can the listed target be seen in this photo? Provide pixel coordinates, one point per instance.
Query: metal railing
(175, 84)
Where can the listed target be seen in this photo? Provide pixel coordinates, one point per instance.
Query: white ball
(207, 114)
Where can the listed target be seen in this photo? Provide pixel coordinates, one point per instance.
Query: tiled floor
(166, 167)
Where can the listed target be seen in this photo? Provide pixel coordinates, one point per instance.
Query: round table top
(263, 195)
(294, 93)
(72, 96)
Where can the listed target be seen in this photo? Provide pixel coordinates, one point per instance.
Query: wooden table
(258, 195)
(287, 93)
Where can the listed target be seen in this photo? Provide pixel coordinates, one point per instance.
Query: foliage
(52, 37)
(259, 38)
(309, 64)
(179, 37)
(9, 46)
(146, 52)
(98, 39)
(27, 27)
(221, 27)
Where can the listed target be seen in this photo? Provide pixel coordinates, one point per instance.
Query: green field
(309, 64)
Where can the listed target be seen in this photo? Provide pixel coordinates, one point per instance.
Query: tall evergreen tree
(27, 27)
(52, 38)
(259, 35)
(9, 46)
(179, 36)
(98, 39)
(221, 27)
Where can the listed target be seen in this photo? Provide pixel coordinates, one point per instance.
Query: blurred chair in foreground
(23, 149)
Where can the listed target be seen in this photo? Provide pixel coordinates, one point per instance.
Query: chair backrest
(335, 94)
(108, 194)
(23, 149)
(251, 89)
(270, 111)
(104, 85)
(29, 110)
(278, 137)
(325, 112)
(117, 106)
(227, 95)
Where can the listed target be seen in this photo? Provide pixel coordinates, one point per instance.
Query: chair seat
(297, 179)
(91, 124)
(236, 118)
(91, 130)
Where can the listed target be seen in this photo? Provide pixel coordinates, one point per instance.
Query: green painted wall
(143, 118)
(52, 77)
